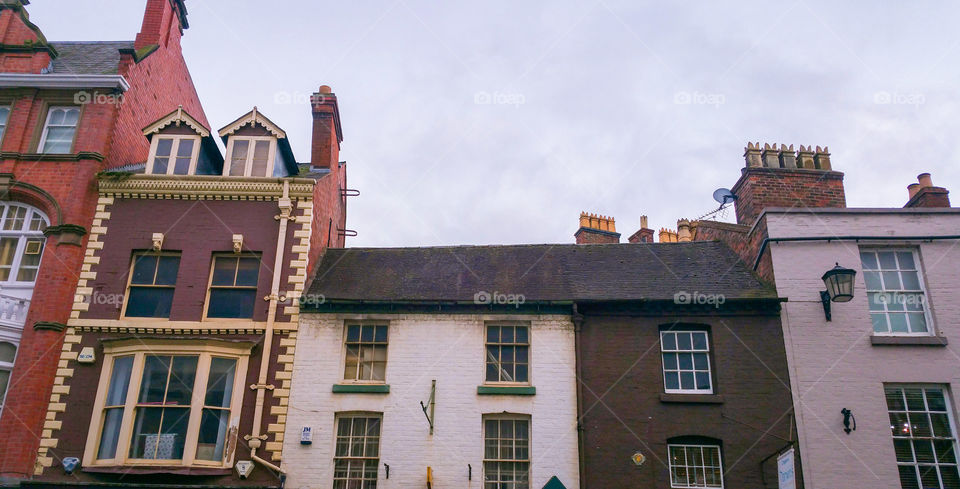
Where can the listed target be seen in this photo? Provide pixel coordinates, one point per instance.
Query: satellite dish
(724, 196)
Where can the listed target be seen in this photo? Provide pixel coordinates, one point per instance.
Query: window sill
(361, 388)
(692, 398)
(908, 340)
(168, 469)
(518, 390)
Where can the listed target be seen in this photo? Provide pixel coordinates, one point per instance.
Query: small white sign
(306, 435)
(86, 355)
(785, 470)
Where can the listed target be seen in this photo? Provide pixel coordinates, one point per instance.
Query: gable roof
(88, 58)
(544, 273)
(177, 117)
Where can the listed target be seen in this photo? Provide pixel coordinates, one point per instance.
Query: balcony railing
(13, 310)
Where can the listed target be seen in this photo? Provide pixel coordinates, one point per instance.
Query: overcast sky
(498, 122)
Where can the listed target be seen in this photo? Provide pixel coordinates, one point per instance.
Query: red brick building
(178, 354)
(68, 110)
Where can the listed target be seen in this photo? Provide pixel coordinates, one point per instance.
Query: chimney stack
(160, 19)
(778, 176)
(327, 135)
(667, 236)
(924, 194)
(644, 234)
(683, 231)
(595, 229)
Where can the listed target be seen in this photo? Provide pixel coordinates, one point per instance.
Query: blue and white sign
(785, 471)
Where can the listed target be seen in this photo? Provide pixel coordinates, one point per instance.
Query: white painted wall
(833, 365)
(450, 349)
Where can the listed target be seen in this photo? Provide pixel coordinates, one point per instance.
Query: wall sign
(306, 435)
(785, 470)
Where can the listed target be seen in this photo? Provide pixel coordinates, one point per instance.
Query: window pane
(144, 267)
(119, 381)
(224, 270)
(213, 434)
(159, 433)
(182, 166)
(8, 351)
(231, 303)
(182, 375)
(160, 165)
(247, 271)
(683, 341)
(110, 434)
(150, 302)
(184, 155)
(238, 161)
(888, 260)
(872, 280)
(164, 145)
(59, 140)
(220, 383)
(154, 384)
(261, 151)
(4, 380)
(8, 249)
(167, 270)
(185, 148)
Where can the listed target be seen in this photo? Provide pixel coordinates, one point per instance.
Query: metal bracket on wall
(430, 404)
(268, 387)
(346, 232)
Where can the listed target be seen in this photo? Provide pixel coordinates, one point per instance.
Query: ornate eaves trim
(204, 187)
(253, 117)
(177, 117)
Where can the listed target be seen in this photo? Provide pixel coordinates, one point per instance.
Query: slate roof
(561, 272)
(88, 58)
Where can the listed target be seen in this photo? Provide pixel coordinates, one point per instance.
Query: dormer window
(173, 155)
(250, 156)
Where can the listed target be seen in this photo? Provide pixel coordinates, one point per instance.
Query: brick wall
(762, 187)
(593, 236)
(450, 349)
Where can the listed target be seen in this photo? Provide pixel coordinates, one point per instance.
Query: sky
(499, 122)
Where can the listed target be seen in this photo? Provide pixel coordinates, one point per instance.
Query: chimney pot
(912, 189)
(325, 89)
(925, 180)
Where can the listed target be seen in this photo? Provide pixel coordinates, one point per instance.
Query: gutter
(63, 81)
(763, 245)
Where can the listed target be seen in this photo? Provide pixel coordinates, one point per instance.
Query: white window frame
(950, 417)
(336, 430)
(927, 315)
(139, 348)
(677, 350)
(6, 123)
(702, 465)
(46, 127)
(133, 264)
(22, 235)
(171, 163)
(483, 433)
(8, 367)
(248, 167)
(529, 344)
(343, 362)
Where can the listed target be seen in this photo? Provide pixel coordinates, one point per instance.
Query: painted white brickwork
(833, 365)
(450, 349)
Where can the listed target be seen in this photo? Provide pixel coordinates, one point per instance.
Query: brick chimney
(596, 229)
(668, 236)
(327, 136)
(160, 19)
(924, 194)
(781, 177)
(644, 234)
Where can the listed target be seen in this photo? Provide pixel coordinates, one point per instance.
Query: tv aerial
(724, 197)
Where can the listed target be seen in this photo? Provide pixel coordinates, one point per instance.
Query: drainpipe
(255, 439)
(577, 324)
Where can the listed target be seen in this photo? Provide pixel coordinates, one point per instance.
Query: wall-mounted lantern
(839, 283)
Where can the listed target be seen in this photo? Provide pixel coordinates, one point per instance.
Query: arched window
(8, 351)
(21, 242)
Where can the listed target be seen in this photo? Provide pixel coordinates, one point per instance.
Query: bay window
(168, 403)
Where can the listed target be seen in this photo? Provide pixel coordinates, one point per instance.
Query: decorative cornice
(204, 187)
(71, 234)
(253, 117)
(78, 156)
(177, 117)
(49, 326)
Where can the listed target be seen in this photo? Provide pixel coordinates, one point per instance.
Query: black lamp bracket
(825, 299)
